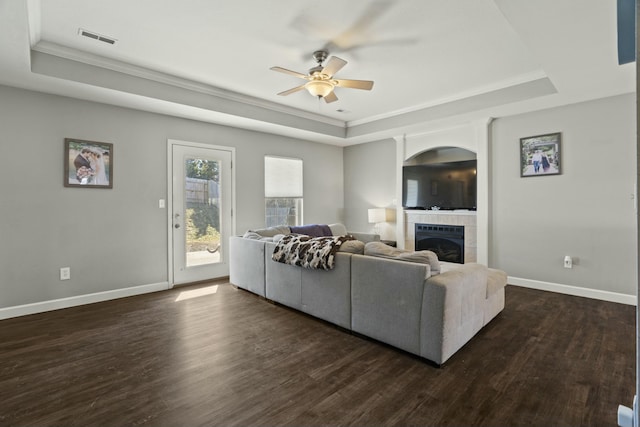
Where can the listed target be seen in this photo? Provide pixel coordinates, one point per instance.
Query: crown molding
(523, 78)
(168, 79)
(34, 13)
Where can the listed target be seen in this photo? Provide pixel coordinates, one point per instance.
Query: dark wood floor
(232, 359)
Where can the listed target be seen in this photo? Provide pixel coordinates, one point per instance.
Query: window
(412, 193)
(282, 191)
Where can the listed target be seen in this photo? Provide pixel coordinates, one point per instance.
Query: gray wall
(587, 212)
(369, 181)
(114, 239)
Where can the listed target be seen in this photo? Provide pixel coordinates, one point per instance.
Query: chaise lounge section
(430, 309)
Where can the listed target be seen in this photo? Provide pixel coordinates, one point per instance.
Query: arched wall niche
(461, 137)
(444, 177)
(440, 155)
(472, 137)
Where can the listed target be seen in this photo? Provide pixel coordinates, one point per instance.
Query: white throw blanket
(308, 252)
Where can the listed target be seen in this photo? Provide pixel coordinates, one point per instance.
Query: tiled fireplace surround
(474, 137)
(464, 218)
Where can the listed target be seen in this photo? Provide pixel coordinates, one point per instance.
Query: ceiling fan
(362, 33)
(320, 79)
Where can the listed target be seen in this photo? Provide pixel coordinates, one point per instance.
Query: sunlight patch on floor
(195, 293)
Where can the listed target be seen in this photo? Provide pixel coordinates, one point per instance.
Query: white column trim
(400, 154)
(478, 131)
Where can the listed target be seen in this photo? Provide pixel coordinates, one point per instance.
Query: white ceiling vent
(96, 36)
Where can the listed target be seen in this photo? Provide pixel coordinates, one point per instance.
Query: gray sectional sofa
(430, 310)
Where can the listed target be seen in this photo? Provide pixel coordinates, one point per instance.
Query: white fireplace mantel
(473, 136)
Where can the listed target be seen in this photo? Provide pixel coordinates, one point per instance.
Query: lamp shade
(377, 215)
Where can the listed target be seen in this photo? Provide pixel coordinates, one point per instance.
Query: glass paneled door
(201, 212)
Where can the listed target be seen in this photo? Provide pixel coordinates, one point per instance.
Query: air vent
(96, 36)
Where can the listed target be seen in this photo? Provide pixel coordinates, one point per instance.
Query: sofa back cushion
(338, 229)
(313, 230)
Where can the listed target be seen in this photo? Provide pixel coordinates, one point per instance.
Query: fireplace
(447, 241)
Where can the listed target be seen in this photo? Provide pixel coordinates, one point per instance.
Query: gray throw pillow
(379, 249)
(422, 257)
(352, 246)
(272, 231)
(252, 235)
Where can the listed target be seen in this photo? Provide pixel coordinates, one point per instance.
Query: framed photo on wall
(540, 155)
(88, 164)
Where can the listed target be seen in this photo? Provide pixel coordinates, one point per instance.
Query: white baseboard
(574, 290)
(56, 304)
(43, 306)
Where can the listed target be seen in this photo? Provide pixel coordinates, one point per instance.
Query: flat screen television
(450, 185)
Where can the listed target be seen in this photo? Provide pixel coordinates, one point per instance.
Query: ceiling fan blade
(293, 73)
(356, 84)
(331, 97)
(290, 91)
(358, 33)
(334, 65)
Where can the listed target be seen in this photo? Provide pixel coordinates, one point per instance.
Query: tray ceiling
(432, 61)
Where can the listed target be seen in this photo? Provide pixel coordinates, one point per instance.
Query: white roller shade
(282, 177)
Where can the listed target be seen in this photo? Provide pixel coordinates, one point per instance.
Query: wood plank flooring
(230, 358)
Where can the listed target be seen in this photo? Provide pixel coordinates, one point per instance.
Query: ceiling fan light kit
(319, 88)
(320, 79)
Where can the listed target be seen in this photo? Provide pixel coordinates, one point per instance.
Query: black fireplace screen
(446, 241)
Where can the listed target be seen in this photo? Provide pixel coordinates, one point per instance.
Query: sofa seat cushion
(496, 280)
(448, 266)
(379, 249)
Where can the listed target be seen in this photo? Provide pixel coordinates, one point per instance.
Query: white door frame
(169, 205)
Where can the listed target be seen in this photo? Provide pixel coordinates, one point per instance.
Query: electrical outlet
(65, 273)
(568, 262)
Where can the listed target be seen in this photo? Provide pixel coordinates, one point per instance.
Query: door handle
(177, 226)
